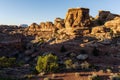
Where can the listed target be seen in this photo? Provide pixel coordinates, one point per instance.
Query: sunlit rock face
(77, 20)
(77, 17)
(114, 25)
(59, 23)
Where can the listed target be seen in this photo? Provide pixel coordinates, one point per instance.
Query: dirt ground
(73, 76)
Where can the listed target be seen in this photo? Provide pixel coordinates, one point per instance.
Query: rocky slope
(77, 32)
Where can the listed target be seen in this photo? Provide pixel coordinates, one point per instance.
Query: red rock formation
(77, 17)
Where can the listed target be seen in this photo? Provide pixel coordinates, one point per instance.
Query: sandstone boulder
(101, 33)
(33, 27)
(114, 25)
(77, 17)
(48, 26)
(42, 24)
(59, 23)
(82, 57)
(97, 29)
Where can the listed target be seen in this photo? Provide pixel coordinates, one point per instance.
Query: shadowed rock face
(103, 15)
(77, 17)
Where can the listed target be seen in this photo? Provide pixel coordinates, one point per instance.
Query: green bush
(8, 78)
(94, 77)
(47, 63)
(69, 64)
(7, 62)
(115, 77)
(85, 65)
(100, 22)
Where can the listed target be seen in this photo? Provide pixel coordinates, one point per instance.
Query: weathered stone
(114, 25)
(48, 26)
(97, 29)
(29, 52)
(59, 23)
(111, 17)
(77, 17)
(33, 27)
(103, 15)
(82, 57)
(42, 24)
(106, 41)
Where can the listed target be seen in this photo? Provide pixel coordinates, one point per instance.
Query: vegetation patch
(7, 62)
(47, 63)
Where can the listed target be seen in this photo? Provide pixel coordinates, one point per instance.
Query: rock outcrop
(9, 44)
(77, 20)
(81, 40)
(103, 15)
(114, 25)
(48, 26)
(59, 23)
(77, 17)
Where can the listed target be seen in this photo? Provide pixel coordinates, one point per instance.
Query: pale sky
(29, 11)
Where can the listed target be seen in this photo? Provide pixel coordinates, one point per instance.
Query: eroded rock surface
(77, 17)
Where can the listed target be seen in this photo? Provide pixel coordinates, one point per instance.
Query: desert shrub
(63, 49)
(46, 78)
(94, 77)
(83, 52)
(108, 70)
(40, 41)
(85, 65)
(100, 22)
(7, 78)
(95, 67)
(115, 77)
(95, 52)
(47, 63)
(7, 62)
(29, 76)
(68, 63)
(75, 65)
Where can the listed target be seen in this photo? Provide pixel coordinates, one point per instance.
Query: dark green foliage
(7, 62)
(116, 78)
(96, 78)
(8, 79)
(63, 49)
(100, 22)
(95, 52)
(92, 66)
(83, 52)
(47, 63)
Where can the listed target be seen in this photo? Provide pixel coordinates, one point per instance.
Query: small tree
(95, 52)
(63, 49)
(68, 63)
(85, 65)
(47, 63)
(7, 62)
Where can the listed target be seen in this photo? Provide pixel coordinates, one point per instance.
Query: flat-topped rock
(77, 17)
(78, 9)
